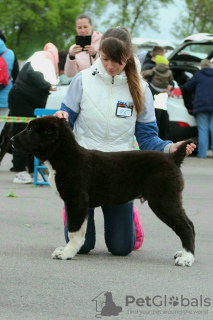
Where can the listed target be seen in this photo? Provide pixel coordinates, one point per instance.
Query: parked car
(149, 43)
(185, 62)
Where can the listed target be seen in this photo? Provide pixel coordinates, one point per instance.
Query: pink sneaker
(138, 229)
(64, 215)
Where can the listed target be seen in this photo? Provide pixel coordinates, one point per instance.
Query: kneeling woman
(107, 105)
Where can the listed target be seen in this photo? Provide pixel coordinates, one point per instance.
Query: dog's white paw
(73, 246)
(64, 253)
(59, 249)
(184, 258)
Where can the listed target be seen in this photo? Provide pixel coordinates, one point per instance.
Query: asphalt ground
(145, 284)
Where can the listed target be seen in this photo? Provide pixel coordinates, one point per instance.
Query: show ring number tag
(124, 109)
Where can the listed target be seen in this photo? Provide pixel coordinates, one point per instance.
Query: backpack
(4, 76)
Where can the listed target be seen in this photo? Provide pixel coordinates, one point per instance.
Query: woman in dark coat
(201, 85)
(37, 77)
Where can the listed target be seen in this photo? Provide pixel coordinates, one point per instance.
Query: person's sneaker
(138, 229)
(23, 177)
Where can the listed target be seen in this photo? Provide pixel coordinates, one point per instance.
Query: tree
(135, 14)
(32, 23)
(29, 24)
(196, 19)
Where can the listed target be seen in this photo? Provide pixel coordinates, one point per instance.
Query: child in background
(161, 76)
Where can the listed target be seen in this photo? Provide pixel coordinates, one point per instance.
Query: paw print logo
(173, 301)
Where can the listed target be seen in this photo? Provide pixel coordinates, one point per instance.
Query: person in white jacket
(78, 58)
(106, 105)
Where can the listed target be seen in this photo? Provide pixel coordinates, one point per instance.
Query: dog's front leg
(73, 246)
(77, 223)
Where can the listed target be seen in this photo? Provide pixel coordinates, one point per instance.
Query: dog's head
(41, 137)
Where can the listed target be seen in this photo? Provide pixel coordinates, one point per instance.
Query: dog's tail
(180, 153)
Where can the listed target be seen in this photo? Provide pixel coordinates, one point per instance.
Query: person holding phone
(82, 55)
(106, 106)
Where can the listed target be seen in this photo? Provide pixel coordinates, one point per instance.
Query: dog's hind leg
(172, 213)
(186, 257)
(77, 222)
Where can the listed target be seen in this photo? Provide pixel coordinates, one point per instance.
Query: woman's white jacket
(97, 125)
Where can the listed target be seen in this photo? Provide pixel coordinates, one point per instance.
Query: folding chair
(37, 167)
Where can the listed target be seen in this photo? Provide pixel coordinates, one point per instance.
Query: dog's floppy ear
(52, 128)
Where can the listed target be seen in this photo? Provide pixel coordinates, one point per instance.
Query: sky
(168, 14)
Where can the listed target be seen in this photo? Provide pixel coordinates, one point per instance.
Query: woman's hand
(75, 50)
(189, 148)
(62, 114)
(90, 50)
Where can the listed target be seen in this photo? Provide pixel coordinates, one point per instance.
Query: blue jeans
(204, 124)
(119, 229)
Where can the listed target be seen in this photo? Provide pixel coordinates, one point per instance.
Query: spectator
(94, 105)
(79, 59)
(160, 100)
(38, 76)
(201, 85)
(64, 80)
(161, 76)
(13, 70)
(149, 61)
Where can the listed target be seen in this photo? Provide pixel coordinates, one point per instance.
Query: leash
(15, 119)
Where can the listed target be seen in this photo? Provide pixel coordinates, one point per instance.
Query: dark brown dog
(88, 179)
